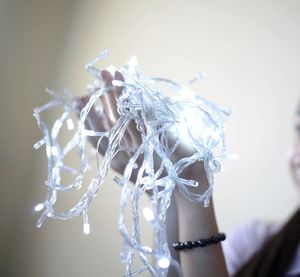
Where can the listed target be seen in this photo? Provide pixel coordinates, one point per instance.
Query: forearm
(197, 222)
(172, 234)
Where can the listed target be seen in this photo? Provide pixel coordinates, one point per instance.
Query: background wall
(250, 53)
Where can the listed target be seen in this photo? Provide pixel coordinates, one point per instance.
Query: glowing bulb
(148, 214)
(147, 249)
(117, 83)
(70, 124)
(164, 262)
(86, 225)
(54, 151)
(86, 228)
(38, 144)
(39, 207)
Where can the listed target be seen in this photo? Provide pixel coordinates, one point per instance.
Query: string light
(70, 124)
(165, 124)
(86, 228)
(54, 151)
(39, 207)
(164, 262)
(148, 214)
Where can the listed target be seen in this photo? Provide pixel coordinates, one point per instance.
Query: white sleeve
(245, 241)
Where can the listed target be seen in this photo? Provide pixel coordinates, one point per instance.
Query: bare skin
(186, 220)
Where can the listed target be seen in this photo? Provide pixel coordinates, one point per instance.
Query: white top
(246, 240)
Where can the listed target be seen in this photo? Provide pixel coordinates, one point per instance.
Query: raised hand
(104, 121)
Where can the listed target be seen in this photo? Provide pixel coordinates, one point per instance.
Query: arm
(186, 220)
(172, 229)
(196, 222)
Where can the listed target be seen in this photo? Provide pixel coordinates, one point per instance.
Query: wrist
(196, 220)
(197, 173)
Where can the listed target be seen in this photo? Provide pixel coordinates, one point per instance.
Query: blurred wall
(250, 53)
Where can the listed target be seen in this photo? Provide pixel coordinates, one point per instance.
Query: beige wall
(250, 52)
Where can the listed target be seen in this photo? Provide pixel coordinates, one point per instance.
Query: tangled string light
(164, 123)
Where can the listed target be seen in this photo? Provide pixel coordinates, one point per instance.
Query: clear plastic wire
(165, 124)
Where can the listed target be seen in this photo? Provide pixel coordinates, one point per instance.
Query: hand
(132, 137)
(189, 219)
(107, 119)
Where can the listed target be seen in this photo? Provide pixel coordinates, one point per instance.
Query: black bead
(176, 245)
(207, 241)
(181, 245)
(215, 239)
(201, 242)
(189, 244)
(194, 243)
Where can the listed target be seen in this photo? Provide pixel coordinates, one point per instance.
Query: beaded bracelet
(199, 243)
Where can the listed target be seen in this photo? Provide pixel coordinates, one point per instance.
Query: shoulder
(245, 241)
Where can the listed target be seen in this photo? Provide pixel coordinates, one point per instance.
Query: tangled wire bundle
(167, 116)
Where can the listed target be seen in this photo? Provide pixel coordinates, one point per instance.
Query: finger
(106, 77)
(127, 141)
(110, 102)
(134, 134)
(93, 122)
(119, 77)
(105, 99)
(132, 131)
(87, 123)
(117, 93)
(111, 98)
(102, 144)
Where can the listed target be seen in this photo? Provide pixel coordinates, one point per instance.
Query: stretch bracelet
(199, 243)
